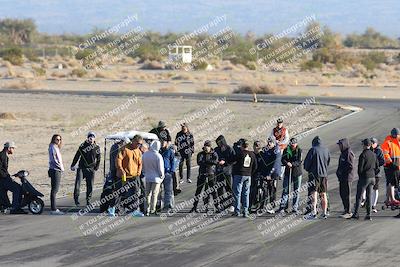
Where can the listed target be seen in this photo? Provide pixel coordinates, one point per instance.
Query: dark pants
(345, 194)
(7, 184)
(187, 159)
(88, 175)
(207, 181)
(130, 198)
(271, 191)
(226, 189)
(364, 184)
(55, 177)
(142, 195)
(253, 189)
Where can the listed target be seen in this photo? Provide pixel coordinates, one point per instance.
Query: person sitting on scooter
(7, 183)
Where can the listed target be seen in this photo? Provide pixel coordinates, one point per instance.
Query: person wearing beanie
(391, 152)
(367, 169)
(88, 155)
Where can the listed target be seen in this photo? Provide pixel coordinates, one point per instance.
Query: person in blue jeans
(168, 155)
(292, 160)
(245, 166)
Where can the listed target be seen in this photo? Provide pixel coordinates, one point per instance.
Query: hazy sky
(260, 16)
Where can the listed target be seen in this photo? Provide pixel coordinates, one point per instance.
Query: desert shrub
(201, 65)
(78, 73)
(152, 65)
(251, 65)
(39, 71)
(13, 55)
(310, 65)
(259, 89)
(373, 59)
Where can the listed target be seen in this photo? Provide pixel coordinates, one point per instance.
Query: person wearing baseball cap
(7, 183)
(367, 166)
(378, 175)
(88, 155)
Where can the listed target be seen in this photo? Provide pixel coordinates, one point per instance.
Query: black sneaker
(355, 216)
(194, 210)
(18, 211)
(368, 218)
(397, 216)
(77, 202)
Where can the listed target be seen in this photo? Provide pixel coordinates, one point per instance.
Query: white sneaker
(56, 212)
(231, 209)
(271, 211)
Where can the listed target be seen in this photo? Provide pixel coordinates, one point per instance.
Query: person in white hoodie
(153, 170)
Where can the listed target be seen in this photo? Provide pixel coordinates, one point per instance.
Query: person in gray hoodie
(345, 174)
(153, 170)
(316, 164)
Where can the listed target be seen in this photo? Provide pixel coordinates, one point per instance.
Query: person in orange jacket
(129, 167)
(391, 153)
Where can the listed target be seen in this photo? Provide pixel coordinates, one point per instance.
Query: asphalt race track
(153, 241)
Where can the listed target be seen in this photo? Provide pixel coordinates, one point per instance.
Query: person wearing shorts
(316, 164)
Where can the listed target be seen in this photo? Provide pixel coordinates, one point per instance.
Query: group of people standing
(229, 175)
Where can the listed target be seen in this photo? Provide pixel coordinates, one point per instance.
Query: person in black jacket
(367, 169)
(162, 132)
(292, 161)
(88, 155)
(270, 169)
(7, 183)
(381, 159)
(226, 158)
(345, 174)
(207, 160)
(316, 164)
(256, 177)
(185, 144)
(245, 166)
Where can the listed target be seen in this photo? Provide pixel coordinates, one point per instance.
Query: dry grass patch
(169, 89)
(211, 90)
(24, 84)
(260, 89)
(7, 116)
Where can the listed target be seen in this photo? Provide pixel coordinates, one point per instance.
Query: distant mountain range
(259, 16)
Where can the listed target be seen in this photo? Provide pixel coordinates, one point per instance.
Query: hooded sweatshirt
(246, 163)
(153, 164)
(226, 153)
(381, 159)
(317, 159)
(346, 166)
